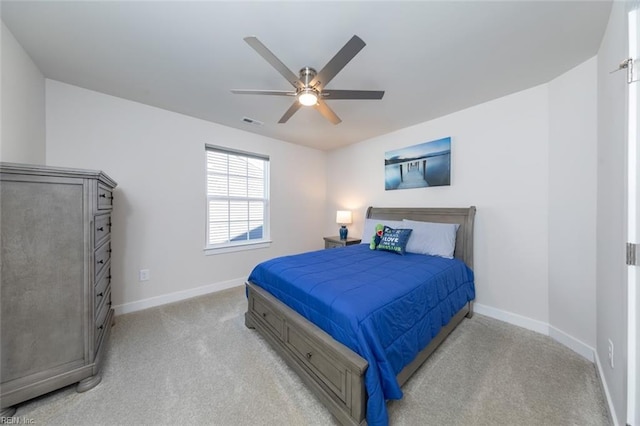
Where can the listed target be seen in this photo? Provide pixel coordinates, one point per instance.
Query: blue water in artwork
(438, 170)
(391, 176)
(438, 173)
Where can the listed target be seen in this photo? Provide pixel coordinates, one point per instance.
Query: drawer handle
(308, 355)
(101, 261)
(101, 327)
(100, 294)
(101, 229)
(264, 315)
(102, 195)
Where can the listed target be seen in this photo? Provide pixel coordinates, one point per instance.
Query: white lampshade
(343, 217)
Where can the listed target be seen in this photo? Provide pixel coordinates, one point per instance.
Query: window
(237, 199)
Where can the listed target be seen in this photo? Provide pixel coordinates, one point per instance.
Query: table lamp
(343, 217)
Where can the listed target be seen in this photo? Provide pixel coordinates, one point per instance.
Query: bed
(351, 358)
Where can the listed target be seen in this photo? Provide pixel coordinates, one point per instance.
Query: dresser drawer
(101, 318)
(101, 228)
(105, 198)
(103, 334)
(102, 287)
(102, 257)
(330, 371)
(274, 321)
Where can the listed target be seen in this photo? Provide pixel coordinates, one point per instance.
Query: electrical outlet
(144, 275)
(610, 353)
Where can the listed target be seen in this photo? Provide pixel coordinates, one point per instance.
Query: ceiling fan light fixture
(309, 87)
(308, 97)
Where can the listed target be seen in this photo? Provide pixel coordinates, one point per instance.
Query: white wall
(22, 137)
(157, 157)
(499, 164)
(528, 162)
(572, 204)
(611, 219)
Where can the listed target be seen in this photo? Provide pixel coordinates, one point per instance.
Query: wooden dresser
(55, 272)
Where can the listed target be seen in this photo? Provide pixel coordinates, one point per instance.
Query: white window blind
(237, 198)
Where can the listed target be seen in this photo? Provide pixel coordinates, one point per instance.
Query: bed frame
(333, 372)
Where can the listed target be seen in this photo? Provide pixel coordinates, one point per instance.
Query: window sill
(208, 251)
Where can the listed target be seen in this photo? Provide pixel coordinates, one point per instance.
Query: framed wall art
(423, 165)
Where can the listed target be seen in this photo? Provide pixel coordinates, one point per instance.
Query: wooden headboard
(462, 216)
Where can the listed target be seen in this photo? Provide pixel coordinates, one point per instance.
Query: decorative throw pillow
(394, 240)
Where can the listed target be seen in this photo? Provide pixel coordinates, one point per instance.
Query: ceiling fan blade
(295, 106)
(339, 61)
(327, 112)
(352, 94)
(273, 60)
(263, 92)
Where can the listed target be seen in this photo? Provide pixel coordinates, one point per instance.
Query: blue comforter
(383, 306)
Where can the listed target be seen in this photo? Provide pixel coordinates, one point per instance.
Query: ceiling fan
(309, 86)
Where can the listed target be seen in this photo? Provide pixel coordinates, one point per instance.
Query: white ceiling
(431, 57)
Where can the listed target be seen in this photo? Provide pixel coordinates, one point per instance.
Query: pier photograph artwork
(418, 166)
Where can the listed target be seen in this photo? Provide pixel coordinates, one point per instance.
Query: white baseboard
(151, 302)
(572, 343)
(511, 318)
(606, 389)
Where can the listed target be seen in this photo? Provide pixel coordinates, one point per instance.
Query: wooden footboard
(333, 372)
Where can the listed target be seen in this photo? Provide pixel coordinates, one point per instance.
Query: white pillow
(436, 239)
(370, 227)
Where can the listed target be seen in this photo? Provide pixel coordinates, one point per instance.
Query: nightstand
(334, 242)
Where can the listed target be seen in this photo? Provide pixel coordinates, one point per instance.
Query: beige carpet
(194, 362)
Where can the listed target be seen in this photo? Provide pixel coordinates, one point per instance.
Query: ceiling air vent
(252, 121)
